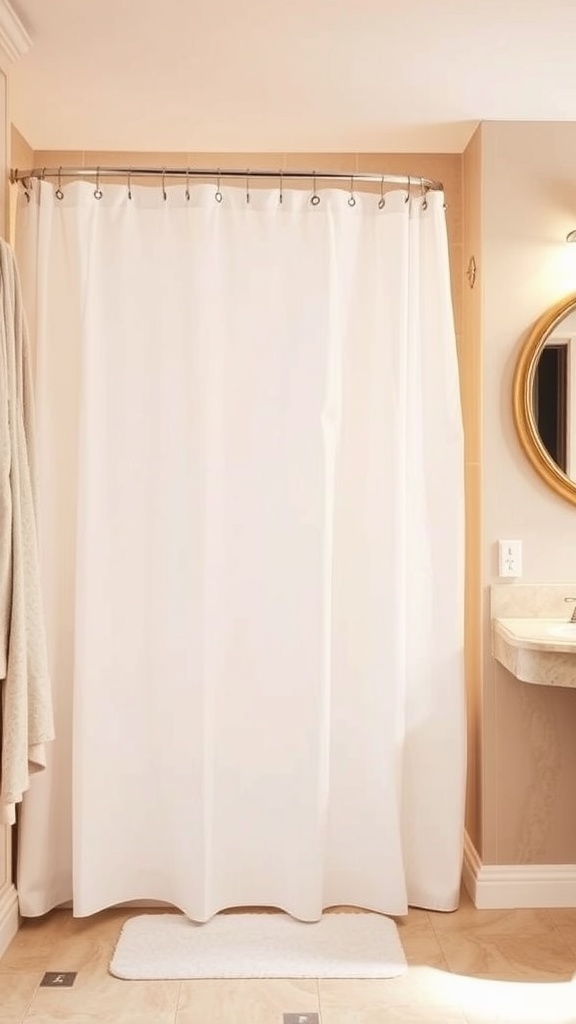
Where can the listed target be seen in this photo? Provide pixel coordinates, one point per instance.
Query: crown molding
(14, 38)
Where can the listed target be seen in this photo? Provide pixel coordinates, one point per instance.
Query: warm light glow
(516, 1002)
(559, 269)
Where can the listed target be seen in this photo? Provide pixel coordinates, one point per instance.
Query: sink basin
(536, 650)
(563, 629)
(542, 634)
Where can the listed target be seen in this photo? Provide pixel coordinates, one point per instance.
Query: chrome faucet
(572, 600)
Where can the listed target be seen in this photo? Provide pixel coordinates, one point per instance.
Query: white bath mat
(340, 945)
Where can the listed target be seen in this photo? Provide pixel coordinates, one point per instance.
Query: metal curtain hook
(164, 184)
(130, 184)
(218, 194)
(248, 185)
(59, 193)
(43, 175)
(281, 196)
(351, 197)
(423, 194)
(187, 192)
(382, 200)
(98, 191)
(315, 197)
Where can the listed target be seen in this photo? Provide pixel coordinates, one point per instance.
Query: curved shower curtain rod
(407, 180)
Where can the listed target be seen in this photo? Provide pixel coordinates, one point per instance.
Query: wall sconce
(571, 236)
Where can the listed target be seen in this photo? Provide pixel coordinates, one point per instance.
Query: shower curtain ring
(315, 197)
(408, 187)
(164, 197)
(351, 197)
(281, 196)
(382, 200)
(248, 185)
(187, 192)
(130, 184)
(59, 193)
(98, 191)
(423, 194)
(218, 194)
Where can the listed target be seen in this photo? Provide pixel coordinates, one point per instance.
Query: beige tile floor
(469, 967)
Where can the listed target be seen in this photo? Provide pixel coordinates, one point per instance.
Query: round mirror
(545, 397)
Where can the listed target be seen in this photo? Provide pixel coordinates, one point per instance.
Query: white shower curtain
(251, 542)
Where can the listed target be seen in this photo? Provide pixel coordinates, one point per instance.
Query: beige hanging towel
(27, 722)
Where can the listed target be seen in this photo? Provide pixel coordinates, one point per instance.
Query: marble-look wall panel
(537, 781)
(535, 728)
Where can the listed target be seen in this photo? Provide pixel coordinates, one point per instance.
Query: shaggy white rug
(248, 945)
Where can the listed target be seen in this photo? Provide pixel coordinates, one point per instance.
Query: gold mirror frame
(522, 399)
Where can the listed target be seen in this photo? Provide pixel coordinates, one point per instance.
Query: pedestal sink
(536, 650)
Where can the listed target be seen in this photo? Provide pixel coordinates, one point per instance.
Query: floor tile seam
(439, 932)
(445, 951)
(29, 1004)
(444, 966)
(429, 923)
(178, 1003)
(431, 917)
(319, 1001)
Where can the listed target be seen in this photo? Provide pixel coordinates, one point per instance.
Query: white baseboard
(505, 886)
(9, 920)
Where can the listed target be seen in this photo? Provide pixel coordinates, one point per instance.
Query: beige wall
(528, 203)
(21, 158)
(21, 154)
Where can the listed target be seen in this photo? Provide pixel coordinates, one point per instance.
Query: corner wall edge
(507, 886)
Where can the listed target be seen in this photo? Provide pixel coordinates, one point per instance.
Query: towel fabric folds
(27, 723)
